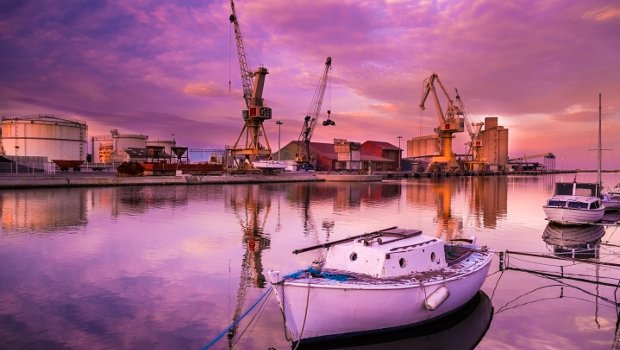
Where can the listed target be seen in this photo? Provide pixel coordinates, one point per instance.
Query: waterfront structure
(383, 150)
(325, 158)
(112, 148)
(168, 145)
(491, 148)
(494, 150)
(44, 135)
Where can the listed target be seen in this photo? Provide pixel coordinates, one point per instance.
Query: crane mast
(312, 117)
(449, 123)
(256, 113)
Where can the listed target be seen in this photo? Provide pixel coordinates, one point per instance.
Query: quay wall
(14, 181)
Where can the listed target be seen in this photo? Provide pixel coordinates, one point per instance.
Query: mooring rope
(235, 322)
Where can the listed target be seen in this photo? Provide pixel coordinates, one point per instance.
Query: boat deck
(466, 261)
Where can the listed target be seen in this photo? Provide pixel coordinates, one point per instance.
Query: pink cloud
(144, 59)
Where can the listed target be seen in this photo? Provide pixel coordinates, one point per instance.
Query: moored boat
(611, 197)
(578, 202)
(575, 203)
(379, 281)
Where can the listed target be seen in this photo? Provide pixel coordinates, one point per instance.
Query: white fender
(436, 298)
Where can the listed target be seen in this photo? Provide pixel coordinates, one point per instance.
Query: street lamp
(279, 149)
(399, 152)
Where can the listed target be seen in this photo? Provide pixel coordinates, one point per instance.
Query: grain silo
(495, 144)
(44, 135)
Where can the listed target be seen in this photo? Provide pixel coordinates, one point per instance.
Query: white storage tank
(44, 135)
(103, 147)
(123, 141)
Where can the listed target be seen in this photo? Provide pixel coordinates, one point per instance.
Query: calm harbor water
(170, 267)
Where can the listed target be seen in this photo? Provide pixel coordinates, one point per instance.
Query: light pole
(279, 122)
(399, 152)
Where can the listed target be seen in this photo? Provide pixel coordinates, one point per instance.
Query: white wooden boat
(379, 281)
(575, 203)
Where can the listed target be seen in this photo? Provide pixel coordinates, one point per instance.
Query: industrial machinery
(524, 163)
(449, 123)
(302, 157)
(243, 155)
(475, 161)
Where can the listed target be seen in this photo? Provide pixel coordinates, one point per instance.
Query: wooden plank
(348, 239)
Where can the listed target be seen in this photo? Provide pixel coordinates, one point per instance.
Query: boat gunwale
(483, 259)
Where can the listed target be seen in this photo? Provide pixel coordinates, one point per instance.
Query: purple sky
(163, 67)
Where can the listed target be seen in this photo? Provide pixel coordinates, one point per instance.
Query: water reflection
(448, 227)
(43, 210)
(139, 199)
(251, 206)
(489, 199)
(574, 241)
(170, 266)
(486, 198)
(461, 330)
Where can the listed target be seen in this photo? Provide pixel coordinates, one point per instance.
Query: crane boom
(452, 120)
(246, 72)
(449, 123)
(312, 116)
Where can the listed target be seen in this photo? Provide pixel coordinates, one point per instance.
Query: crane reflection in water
(251, 206)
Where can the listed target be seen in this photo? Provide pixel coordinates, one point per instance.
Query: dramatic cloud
(172, 67)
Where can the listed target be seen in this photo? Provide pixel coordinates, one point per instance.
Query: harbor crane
(303, 143)
(474, 145)
(449, 123)
(256, 113)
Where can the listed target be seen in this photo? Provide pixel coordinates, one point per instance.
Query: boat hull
(563, 215)
(317, 311)
(611, 202)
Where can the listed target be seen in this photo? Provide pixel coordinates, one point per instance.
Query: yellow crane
(449, 123)
(475, 161)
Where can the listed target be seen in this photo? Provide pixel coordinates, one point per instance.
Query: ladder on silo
(82, 142)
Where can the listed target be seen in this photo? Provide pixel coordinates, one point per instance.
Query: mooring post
(501, 261)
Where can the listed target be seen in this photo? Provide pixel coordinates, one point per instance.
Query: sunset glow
(162, 68)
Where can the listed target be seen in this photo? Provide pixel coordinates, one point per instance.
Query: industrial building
(343, 155)
(32, 141)
(47, 135)
(488, 153)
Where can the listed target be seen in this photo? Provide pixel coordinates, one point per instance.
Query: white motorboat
(611, 197)
(575, 203)
(578, 202)
(379, 281)
(270, 165)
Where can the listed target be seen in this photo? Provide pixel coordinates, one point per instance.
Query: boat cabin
(577, 189)
(574, 195)
(389, 253)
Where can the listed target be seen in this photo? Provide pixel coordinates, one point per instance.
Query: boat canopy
(577, 189)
